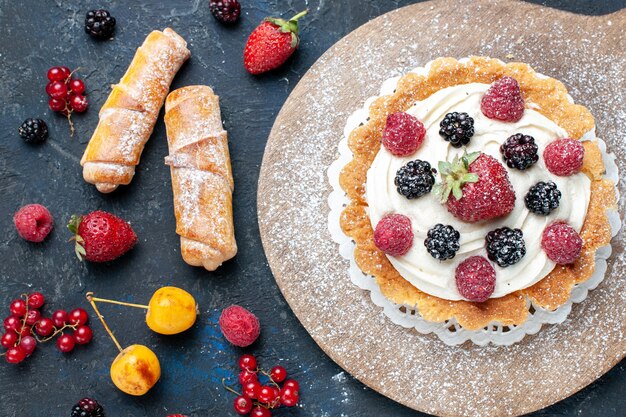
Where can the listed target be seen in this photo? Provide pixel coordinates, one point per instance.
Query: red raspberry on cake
(561, 243)
(403, 134)
(394, 235)
(475, 187)
(239, 326)
(503, 101)
(33, 222)
(475, 279)
(564, 157)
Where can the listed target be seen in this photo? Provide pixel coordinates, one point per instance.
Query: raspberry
(561, 243)
(503, 101)
(564, 157)
(33, 222)
(403, 134)
(239, 326)
(475, 278)
(393, 235)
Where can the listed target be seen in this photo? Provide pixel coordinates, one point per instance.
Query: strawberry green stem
(299, 15)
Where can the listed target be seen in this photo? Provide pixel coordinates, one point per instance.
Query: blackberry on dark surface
(99, 24)
(542, 198)
(87, 408)
(33, 130)
(505, 246)
(226, 11)
(415, 179)
(519, 151)
(457, 128)
(442, 242)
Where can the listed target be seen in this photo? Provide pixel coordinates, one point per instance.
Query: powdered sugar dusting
(417, 370)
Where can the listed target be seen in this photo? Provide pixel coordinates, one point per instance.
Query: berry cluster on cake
(475, 187)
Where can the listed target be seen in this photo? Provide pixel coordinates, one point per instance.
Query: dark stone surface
(35, 35)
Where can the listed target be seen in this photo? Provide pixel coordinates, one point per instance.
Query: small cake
(476, 187)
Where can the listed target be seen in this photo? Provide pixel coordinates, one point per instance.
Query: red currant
(59, 318)
(78, 316)
(9, 339)
(83, 335)
(18, 307)
(242, 405)
(44, 327)
(67, 72)
(278, 374)
(259, 411)
(28, 344)
(32, 317)
(56, 74)
(78, 103)
(13, 323)
(251, 389)
(26, 330)
(36, 300)
(56, 89)
(247, 362)
(246, 376)
(289, 396)
(292, 383)
(15, 355)
(66, 343)
(267, 395)
(57, 104)
(77, 86)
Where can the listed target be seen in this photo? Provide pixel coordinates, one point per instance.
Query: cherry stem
(104, 300)
(229, 388)
(89, 297)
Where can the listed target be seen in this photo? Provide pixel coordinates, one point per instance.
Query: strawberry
(101, 236)
(479, 185)
(271, 43)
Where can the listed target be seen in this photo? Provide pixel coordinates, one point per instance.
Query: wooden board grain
(586, 53)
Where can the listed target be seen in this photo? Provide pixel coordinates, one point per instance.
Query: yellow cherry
(135, 370)
(171, 310)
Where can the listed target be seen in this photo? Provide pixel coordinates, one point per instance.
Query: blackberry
(99, 24)
(226, 11)
(415, 179)
(505, 246)
(442, 242)
(542, 198)
(457, 128)
(33, 130)
(87, 408)
(519, 151)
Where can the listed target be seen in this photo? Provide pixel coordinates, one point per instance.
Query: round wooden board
(585, 52)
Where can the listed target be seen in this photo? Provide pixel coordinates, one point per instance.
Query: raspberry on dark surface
(239, 326)
(442, 242)
(519, 151)
(561, 243)
(505, 246)
(542, 198)
(394, 235)
(225, 11)
(503, 101)
(564, 157)
(33, 222)
(475, 279)
(457, 128)
(403, 134)
(33, 130)
(415, 179)
(99, 24)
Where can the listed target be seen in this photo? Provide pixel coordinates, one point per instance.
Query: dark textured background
(37, 34)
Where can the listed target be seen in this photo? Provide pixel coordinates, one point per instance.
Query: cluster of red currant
(67, 94)
(268, 396)
(26, 327)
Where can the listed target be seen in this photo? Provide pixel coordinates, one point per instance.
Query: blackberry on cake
(505, 246)
(415, 179)
(442, 242)
(519, 151)
(543, 198)
(457, 128)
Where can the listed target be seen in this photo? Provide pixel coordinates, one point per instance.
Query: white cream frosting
(437, 277)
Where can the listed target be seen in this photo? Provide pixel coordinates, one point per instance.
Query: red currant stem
(229, 388)
(89, 296)
(56, 332)
(270, 377)
(3, 353)
(19, 339)
(72, 73)
(69, 120)
(104, 300)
